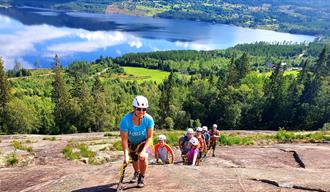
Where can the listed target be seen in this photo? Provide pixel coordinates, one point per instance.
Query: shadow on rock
(103, 188)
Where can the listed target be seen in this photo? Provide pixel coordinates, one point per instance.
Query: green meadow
(143, 74)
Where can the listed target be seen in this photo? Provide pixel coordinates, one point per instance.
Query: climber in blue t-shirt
(136, 130)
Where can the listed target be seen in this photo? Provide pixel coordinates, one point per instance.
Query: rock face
(275, 167)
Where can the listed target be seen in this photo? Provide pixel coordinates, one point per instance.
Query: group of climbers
(136, 131)
(194, 147)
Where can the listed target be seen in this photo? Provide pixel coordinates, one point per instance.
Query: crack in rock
(287, 185)
(296, 157)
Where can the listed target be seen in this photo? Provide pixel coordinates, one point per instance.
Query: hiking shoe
(134, 178)
(213, 155)
(140, 182)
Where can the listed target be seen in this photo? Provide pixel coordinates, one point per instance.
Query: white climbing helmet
(199, 129)
(215, 126)
(161, 138)
(194, 141)
(140, 102)
(190, 131)
(204, 128)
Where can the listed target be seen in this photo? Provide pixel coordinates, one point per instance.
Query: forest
(235, 88)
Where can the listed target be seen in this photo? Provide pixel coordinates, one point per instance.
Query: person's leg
(213, 148)
(143, 165)
(136, 166)
(135, 163)
(184, 157)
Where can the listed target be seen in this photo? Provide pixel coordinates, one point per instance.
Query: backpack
(184, 140)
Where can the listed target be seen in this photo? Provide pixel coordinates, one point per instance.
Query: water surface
(33, 36)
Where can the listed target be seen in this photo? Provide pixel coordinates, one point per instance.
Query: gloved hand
(126, 157)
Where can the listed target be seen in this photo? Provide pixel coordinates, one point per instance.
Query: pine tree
(314, 109)
(275, 99)
(320, 68)
(303, 73)
(294, 93)
(100, 106)
(232, 77)
(167, 97)
(4, 97)
(312, 84)
(243, 66)
(61, 98)
(86, 117)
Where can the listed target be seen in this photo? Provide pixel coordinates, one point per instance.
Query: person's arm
(217, 134)
(194, 158)
(204, 144)
(156, 153)
(124, 144)
(169, 149)
(180, 143)
(147, 144)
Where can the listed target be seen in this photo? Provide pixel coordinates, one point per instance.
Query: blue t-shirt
(136, 134)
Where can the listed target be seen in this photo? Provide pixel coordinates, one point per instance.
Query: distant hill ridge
(295, 16)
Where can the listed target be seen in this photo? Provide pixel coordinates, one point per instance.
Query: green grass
(143, 74)
(111, 135)
(286, 73)
(49, 138)
(40, 71)
(116, 146)
(281, 136)
(78, 150)
(151, 11)
(172, 137)
(18, 145)
(68, 153)
(231, 139)
(11, 159)
(326, 127)
(98, 143)
(85, 151)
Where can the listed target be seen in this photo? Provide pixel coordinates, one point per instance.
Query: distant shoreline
(115, 10)
(5, 6)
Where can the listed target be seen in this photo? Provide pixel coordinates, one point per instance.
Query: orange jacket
(167, 147)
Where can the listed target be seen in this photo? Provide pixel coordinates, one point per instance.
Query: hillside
(266, 167)
(251, 86)
(294, 16)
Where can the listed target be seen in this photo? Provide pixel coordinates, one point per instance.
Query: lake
(33, 36)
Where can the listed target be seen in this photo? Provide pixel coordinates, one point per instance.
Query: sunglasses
(141, 109)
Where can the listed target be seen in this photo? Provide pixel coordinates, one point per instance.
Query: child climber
(193, 152)
(162, 151)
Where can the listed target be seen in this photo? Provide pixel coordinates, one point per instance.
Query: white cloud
(92, 41)
(135, 42)
(23, 42)
(118, 52)
(88, 42)
(195, 45)
(25, 39)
